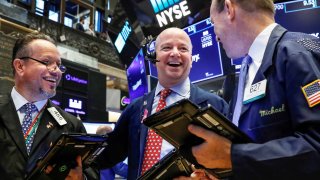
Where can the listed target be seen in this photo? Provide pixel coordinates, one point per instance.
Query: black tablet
(62, 154)
(171, 123)
(171, 166)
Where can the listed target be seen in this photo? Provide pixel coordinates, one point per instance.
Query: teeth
(51, 79)
(174, 63)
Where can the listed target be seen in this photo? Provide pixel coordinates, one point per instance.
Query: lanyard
(35, 123)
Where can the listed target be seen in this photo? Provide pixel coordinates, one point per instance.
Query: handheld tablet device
(171, 166)
(171, 124)
(62, 154)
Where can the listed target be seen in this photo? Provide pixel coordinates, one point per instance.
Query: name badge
(57, 116)
(256, 91)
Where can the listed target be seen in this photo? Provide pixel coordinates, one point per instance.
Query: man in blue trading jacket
(173, 53)
(280, 109)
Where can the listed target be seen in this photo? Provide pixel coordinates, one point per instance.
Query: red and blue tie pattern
(154, 141)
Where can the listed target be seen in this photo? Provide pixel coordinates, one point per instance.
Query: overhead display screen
(206, 57)
(297, 16)
(75, 104)
(300, 16)
(76, 80)
(137, 77)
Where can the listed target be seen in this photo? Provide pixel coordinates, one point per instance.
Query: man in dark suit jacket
(173, 53)
(37, 72)
(79, 25)
(280, 110)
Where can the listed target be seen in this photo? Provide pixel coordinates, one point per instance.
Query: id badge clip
(255, 92)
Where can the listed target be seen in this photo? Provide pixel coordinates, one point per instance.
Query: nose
(175, 52)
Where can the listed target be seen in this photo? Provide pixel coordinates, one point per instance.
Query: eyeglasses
(51, 66)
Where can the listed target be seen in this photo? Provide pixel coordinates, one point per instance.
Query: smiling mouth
(52, 80)
(174, 64)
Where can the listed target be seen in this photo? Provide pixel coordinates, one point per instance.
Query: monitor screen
(75, 104)
(297, 16)
(91, 127)
(57, 99)
(137, 77)
(206, 57)
(76, 80)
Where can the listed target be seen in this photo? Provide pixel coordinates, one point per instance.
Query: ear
(18, 65)
(230, 8)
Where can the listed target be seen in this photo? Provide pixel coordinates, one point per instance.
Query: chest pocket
(273, 122)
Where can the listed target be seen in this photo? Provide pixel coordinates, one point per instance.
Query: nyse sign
(174, 11)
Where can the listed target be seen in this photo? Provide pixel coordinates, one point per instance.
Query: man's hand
(76, 173)
(214, 152)
(198, 174)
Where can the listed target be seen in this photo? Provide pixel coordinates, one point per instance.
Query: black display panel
(206, 56)
(57, 99)
(75, 104)
(137, 77)
(75, 80)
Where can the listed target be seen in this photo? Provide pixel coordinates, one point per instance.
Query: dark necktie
(241, 86)
(154, 141)
(27, 123)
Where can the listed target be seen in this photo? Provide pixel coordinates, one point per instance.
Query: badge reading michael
(57, 116)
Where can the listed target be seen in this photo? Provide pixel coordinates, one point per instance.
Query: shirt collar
(19, 100)
(259, 45)
(182, 89)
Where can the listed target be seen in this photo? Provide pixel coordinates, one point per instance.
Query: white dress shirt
(19, 101)
(256, 52)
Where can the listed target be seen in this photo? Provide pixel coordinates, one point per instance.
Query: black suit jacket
(129, 136)
(14, 161)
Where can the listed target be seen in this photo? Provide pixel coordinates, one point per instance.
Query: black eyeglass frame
(61, 67)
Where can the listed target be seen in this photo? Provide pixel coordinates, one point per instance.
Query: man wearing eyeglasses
(27, 127)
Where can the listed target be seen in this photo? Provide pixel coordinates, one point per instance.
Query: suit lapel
(11, 121)
(148, 99)
(268, 58)
(46, 125)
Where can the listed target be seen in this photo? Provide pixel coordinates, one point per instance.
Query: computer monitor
(75, 79)
(75, 104)
(297, 16)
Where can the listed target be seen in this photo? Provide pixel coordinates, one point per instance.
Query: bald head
(173, 50)
(172, 30)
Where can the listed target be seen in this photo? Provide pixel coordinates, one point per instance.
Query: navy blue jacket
(129, 136)
(286, 130)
